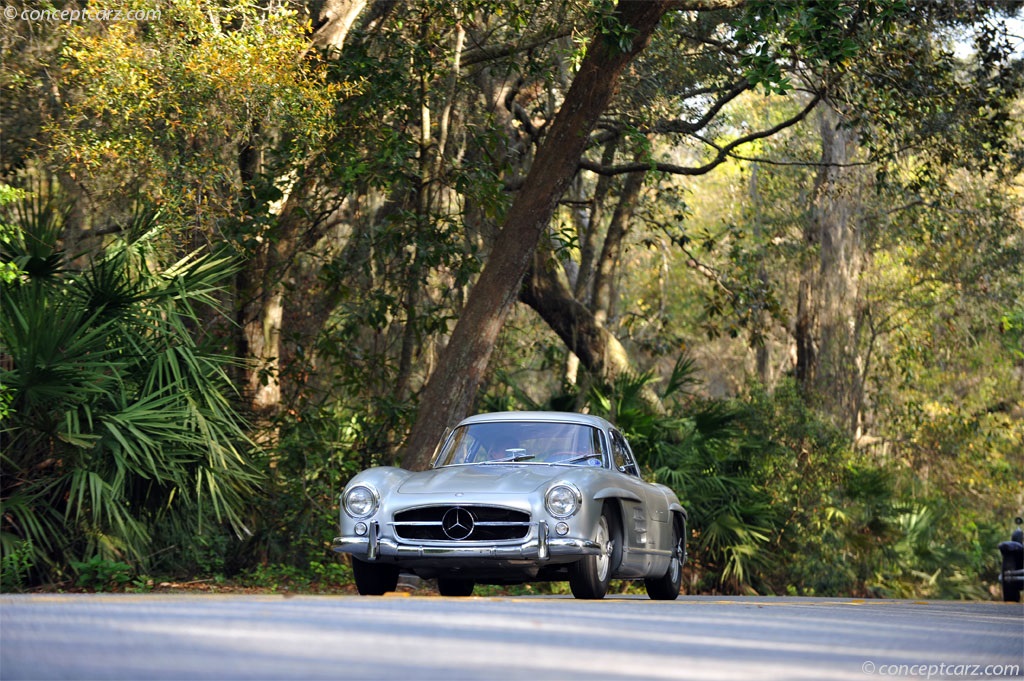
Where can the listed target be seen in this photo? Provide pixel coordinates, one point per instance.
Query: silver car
(517, 497)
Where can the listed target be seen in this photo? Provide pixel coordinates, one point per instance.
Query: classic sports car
(517, 497)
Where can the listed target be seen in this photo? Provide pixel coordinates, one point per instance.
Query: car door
(646, 521)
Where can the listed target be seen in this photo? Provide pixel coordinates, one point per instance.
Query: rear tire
(590, 576)
(1011, 591)
(666, 587)
(457, 588)
(374, 579)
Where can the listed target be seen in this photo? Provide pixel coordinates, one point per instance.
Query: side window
(622, 456)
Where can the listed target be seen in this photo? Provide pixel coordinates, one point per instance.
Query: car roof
(542, 416)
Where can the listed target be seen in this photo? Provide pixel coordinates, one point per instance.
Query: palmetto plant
(697, 448)
(117, 424)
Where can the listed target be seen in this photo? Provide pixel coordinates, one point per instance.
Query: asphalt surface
(123, 636)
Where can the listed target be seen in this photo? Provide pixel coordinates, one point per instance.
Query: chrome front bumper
(538, 547)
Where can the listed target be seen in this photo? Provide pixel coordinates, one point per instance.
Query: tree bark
(259, 309)
(828, 325)
(334, 23)
(450, 391)
(608, 264)
(577, 326)
(599, 351)
(758, 337)
(260, 292)
(583, 286)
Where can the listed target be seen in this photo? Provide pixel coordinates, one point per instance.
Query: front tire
(590, 576)
(666, 587)
(374, 579)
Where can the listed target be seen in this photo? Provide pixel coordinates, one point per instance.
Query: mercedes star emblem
(457, 523)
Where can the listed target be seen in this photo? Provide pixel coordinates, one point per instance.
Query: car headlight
(562, 500)
(360, 501)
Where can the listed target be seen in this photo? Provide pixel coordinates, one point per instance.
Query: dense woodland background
(250, 248)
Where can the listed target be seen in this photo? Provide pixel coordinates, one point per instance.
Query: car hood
(492, 478)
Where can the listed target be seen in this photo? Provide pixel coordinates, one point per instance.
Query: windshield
(535, 442)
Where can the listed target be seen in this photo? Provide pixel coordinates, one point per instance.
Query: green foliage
(611, 28)
(16, 567)
(696, 449)
(826, 35)
(99, 574)
(780, 502)
(9, 271)
(163, 108)
(918, 93)
(909, 508)
(313, 576)
(318, 451)
(120, 425)
(1011, 326)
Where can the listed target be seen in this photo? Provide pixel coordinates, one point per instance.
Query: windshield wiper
(513, 459)
(582, 457)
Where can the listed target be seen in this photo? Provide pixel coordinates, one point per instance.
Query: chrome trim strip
(373, 541)
(374, 547)
(649, 552)
(437, 523)
(542, 541)
(501, 523)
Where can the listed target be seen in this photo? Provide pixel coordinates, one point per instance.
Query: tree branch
(687, 127)
(610, 131)
(724, 152)
(484, 54)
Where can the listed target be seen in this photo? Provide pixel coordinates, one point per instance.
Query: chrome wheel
(604, 560)
(589, 576)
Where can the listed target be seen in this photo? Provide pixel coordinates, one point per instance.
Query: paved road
(397, 638)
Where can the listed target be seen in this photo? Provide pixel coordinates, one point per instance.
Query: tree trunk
(608, 265)
(589, 239)
(577, 326)
(259, 309)
(759, 335)
(260, 291)
(450, 391)
(828, 324)
(599, 351)
(334, 23)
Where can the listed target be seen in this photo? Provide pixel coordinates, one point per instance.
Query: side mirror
(1019, 521)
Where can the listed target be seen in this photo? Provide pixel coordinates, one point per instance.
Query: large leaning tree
(450, 391)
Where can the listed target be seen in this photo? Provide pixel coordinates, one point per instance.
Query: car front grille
(462, 523)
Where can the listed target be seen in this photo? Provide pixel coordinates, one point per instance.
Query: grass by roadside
(100, 576)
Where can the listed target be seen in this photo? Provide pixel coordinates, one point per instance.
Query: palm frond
(119, 425)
